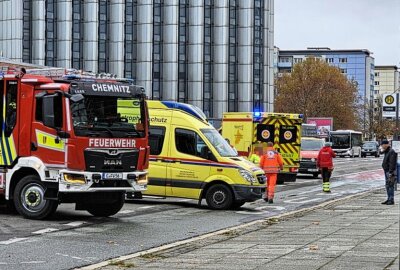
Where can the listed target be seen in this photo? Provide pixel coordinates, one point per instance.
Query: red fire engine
(64, 141)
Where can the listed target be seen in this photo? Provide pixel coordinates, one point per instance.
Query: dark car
(370, 148)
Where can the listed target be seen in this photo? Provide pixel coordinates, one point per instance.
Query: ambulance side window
(156, 140)
(188, 142)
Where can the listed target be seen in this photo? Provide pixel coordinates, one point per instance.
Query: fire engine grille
(99, 160)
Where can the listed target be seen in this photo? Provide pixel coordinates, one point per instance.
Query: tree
(316, 89)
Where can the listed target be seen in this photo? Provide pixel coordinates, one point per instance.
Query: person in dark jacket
(389, 164)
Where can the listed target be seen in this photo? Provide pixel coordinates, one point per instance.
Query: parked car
(370, 148)
(308, 155)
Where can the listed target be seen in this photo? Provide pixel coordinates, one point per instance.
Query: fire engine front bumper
(73, 181)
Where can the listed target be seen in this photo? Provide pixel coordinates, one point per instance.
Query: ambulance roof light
(257, 114)
(301, 115)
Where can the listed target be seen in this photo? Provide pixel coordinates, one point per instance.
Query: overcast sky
(340, 24)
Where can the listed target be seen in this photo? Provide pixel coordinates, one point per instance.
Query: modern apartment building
(215, 54)
(356, 64)
(386, 80)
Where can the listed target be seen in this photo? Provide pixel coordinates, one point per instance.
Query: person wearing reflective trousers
(389, 165)
(325, 163)
(271, 162)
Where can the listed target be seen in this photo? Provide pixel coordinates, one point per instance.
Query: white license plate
(112, 175)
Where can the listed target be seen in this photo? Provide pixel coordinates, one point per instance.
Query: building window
(77, 30)
(103, 36)
(376, 82)
(329, 60)
(27, 32)
(207, 50)
(157, 50)
(343, 70)
(342, 60)
(130, 39)
(258, 78)
(182, 47)
(376, 74)
(51, 33)
(298, 60)
(285, 59)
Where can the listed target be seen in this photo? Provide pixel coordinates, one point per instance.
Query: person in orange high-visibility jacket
(271, 162)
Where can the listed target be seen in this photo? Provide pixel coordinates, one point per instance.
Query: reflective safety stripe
(48, 141)
(326, 186)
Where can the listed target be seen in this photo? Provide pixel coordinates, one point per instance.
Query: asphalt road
(72, 238)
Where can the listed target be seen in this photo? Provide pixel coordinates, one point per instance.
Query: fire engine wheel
(219, 197)
(107, 209)
(29, 199)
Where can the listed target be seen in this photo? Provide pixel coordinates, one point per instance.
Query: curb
(223, 231)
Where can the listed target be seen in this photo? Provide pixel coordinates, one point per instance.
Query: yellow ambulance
(247, 130)
(190, 159)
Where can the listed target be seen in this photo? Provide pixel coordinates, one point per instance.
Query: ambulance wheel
(107, 209)
(237, 204)
(29, 199)
(219, 197)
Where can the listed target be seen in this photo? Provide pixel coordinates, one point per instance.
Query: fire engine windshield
(222, 147)
(105, 116)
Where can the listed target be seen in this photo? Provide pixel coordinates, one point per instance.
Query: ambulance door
(159, 149)
(187, 169)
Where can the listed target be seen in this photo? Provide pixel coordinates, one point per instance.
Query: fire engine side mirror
(48, 111)
(76, 98)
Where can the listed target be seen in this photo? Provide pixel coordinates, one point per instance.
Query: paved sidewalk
(357, 233)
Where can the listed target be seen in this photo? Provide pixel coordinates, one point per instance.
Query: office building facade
(215, 54)
(357, 65)
(386, 80)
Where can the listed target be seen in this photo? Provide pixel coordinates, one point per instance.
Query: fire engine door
(9, 116)
(46, 143)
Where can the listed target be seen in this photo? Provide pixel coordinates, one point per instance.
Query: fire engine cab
(63, 140)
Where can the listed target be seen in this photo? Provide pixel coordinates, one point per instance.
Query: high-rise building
(215, 54)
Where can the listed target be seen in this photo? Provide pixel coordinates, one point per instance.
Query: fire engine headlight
(313, 160)
(77, 179)
(142, 179)
(247, 176)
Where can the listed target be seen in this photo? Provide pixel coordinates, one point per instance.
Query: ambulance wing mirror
(48, 110)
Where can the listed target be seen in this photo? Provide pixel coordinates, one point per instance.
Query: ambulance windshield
(215, 139)
(105, 116)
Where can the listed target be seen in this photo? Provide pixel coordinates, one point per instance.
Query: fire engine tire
(219, 197)
(29, 199)
(106, 209)
(315, 175)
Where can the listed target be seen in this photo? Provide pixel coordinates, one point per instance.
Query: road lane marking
(12, 240)
(33, 262)
(277, 208)
(47, 230)
(75, 223)
(185, 200)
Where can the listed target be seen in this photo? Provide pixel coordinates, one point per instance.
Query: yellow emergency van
(247, 130)
(190, 159)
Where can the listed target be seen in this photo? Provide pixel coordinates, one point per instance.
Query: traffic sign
(389, 106)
